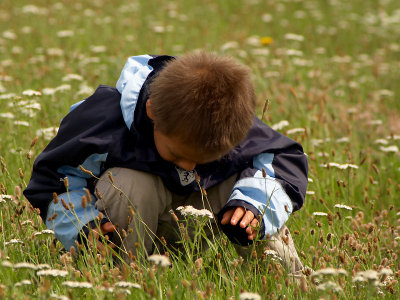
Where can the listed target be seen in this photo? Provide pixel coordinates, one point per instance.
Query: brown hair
(206, 100)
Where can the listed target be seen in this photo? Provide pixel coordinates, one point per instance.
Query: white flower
(14, 241)
(25, 265)
(370, 275)
(60, 297)
(191, 211)
(10, 35)
(310, 193)
(70, 77)
(63, 88)
(329, 271)
(270, 252)
(375, 122)
(381, 141)
(280, 125)
(310, 179)
(249, 296)
(294, 37)
(343, 206)
(31, 93)
(229, 45)
(260, 51)
(23, 282)
(160, 260)
(395, 137)
(48, 91)
(65, 33)
(84, 90)
(52, 272)
(77, 284)
(295, 130)
(266, 18)
(4, 198)
(47, 133)
(343, 140)
(393, 148)
(98, 49)
(385, 93)
(42, 266)
(385, 271)
(359, 279)
(45, 231)
(293, 52)
(329, 286)
(7, 96)
(7, 264)
(21, 123)
(319, 213)
(27, 222)
(55, 52)
(339, 166)
(127, 285)
(34, 10)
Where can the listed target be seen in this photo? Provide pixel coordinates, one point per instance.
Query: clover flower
(159, 260)
(191, 211)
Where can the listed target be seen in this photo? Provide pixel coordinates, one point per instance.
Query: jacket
(111, 129)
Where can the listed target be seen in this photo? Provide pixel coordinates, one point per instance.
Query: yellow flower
(266, 40)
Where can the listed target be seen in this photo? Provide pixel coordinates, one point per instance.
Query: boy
(168, 121)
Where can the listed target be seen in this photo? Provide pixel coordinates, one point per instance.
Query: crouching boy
(135, 151)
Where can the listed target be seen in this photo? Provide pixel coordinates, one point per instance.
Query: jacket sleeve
(69, 219)
(85, 137)
(273, 193)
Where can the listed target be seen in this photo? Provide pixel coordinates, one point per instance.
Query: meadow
(330, 70)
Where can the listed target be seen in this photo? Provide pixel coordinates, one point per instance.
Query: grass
(336, 78)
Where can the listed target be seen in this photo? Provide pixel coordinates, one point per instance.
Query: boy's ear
(148, 110)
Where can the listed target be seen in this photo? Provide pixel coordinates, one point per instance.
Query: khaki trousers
(139, 205)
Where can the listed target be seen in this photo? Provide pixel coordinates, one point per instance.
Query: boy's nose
(187, 165)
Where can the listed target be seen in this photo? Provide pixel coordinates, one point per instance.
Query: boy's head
(202, 102)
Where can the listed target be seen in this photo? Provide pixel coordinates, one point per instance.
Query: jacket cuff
(83, 234)
(237, 234)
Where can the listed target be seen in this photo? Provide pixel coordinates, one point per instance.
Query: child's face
(172, 149)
